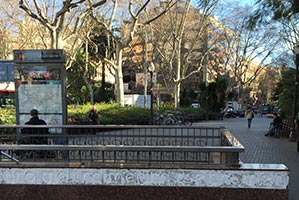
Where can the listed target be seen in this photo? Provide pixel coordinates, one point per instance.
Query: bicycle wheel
(169, 121)
(187, 123)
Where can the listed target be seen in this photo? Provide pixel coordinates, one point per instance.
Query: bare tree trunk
(119, 76)
(179, 41)
(89, 88)
(177, 91)
(177, 88)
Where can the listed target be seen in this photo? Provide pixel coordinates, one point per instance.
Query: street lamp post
(294, 134)
(296, 50)
(151, 69)
(145, 70)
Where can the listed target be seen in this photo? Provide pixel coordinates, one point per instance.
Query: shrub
(8, 115)
(110, 114)
(114, 114)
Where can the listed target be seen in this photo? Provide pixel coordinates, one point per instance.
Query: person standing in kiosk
(35, 120)
(37, 140)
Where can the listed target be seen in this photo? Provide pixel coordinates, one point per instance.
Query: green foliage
(77, 90)
(8, 116)
(76, 86)
(284, 92)
(188, 97)
(116, 114)
(127, 115)
(113, 114)
(104, 95)
(267, 10)
(213, 95)
(101, 45)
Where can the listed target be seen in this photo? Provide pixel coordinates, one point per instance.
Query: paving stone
(262, 149)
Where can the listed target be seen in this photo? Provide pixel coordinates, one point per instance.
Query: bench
(284, 130)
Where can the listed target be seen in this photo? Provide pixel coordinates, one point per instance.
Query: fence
(118, 146)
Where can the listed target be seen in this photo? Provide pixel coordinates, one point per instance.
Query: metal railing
(118, 146)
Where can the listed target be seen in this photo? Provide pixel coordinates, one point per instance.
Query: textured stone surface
(249, 182)
(238, 178)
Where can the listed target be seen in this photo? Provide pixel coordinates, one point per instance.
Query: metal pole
(152, 114)
(294, 135)
(205, 71)
(296, 87)
(206, 85)
(145, 70)
(295, 97)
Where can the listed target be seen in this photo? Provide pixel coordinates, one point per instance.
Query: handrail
(119, 144)
(121, 148)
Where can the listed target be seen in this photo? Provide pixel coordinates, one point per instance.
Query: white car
(195, 105)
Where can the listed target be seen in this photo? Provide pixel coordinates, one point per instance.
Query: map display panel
(45, 98)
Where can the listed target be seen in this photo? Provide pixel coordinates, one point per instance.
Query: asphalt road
(262, 149)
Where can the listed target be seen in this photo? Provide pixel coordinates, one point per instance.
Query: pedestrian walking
(249, 115)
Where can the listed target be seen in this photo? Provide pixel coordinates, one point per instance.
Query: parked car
(195, 105)
(266, 109)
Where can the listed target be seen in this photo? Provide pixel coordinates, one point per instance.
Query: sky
(246, 2)
(241, 2)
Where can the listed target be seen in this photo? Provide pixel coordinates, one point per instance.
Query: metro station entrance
(40, 84)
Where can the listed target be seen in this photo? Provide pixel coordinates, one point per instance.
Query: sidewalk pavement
(263, 149)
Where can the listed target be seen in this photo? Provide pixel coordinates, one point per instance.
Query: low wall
(249, 181)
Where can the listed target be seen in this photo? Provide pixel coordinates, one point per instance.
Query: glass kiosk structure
(40, 84)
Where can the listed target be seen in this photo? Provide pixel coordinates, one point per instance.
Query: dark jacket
(36, 121)
(277, 121)
(93, 116)
(36, 131)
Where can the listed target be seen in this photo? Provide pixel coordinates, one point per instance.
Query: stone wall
(245, 182)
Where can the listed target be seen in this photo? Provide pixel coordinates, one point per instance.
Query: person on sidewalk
(276, 124)
(93, 116)
(249, 115)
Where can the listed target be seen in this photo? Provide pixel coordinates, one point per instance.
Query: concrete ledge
(248, 176)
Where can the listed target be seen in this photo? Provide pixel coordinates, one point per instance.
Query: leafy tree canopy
(268, 10)
(284, 92)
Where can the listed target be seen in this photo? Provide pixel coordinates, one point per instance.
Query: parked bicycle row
(170, 119)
